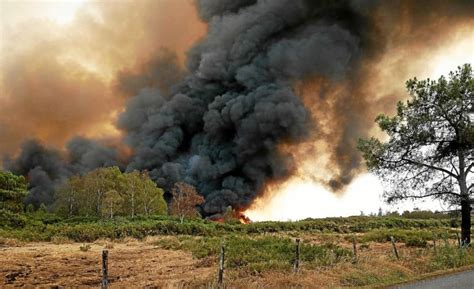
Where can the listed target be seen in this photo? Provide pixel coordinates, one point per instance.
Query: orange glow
(303, 195)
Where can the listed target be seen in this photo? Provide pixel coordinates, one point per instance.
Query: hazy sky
(85, 44)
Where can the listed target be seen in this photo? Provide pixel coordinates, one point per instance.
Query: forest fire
(243, 218)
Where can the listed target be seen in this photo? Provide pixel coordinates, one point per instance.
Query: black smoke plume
(220, 127)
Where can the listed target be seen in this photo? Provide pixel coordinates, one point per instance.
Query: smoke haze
(273, 89)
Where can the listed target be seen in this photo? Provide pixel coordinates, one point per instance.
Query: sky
(77, 45)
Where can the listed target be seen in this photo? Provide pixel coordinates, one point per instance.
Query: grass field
(165, 253)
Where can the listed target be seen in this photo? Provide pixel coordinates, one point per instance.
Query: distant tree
(13, 190)
(380, 213)
(112, 201)
(107, 192)
(132, 184)
(430, 150)
(68, 197)
(100, 181)
(150, 197)
(185, 200)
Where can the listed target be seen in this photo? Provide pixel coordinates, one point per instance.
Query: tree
(112, 200)
(13, 190)
(142, 194)
(185, 200)
(107, 192)
(150, 197)
(68, 197)
(429, 152)
(100, 181)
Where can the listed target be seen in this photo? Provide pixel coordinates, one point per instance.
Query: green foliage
(430, 150)
(107, 192)
(12, 220)
(259, 253)
(448, 257)
(40, 226)
(416, 242)
(13, 189)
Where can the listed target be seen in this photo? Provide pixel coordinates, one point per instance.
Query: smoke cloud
(270, 84)
(58, 81)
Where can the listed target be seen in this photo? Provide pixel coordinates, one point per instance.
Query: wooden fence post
(459, 239)
(296, 267)
(105, 269)
(394, 247)
(354, 247)
(434, 243)
(220, 277)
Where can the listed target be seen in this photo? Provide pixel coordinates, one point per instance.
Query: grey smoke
(219, 126)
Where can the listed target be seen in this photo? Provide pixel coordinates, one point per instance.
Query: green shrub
(259, 253)
(448, 257)
(416, 242)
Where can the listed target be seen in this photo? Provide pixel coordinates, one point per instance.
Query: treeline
(107, 192)
(101, 193)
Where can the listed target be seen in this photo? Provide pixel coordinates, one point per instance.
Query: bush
(259, 253)
(416, 242)
(448, 257)
(12, 220)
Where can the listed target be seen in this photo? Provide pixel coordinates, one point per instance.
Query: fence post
(434, 243)
(459, 239)
(220, 278)
(354, 247)
(105, 273)
(297, 257)
(394, 247)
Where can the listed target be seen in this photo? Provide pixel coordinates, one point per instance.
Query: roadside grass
(258, 254)
(264, 253)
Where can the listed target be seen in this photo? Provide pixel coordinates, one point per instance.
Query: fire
(244, 219)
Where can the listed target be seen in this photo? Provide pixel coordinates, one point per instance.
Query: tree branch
(431, 167)
(431, 195)
(468, 170)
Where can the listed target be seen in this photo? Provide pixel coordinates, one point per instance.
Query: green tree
(100, 181)
(429, 152)
(112, 201)
(150, 197)
(13, 190)
(142, 195)
(68, 197)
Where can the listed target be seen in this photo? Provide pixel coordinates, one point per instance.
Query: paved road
(462, 280)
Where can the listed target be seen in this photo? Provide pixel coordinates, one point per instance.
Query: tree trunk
(465, 222)
(133, 204)
(465, 202)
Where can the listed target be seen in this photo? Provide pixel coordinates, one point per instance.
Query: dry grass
(136, 263)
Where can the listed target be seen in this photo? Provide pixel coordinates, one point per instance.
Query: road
(462, 280)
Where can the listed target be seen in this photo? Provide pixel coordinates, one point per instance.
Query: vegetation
(13, 190)
(185, 200)
(430, 151)
(107, 192)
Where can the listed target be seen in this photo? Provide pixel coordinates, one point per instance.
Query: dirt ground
(131, 264)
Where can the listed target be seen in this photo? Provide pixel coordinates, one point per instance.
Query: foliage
(44, 226)
(258, 253)
(13, 189)
(448, 257)
(430, 151)
(185, 200)
(107, 192)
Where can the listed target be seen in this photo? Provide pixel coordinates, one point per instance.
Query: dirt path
(131, 265)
